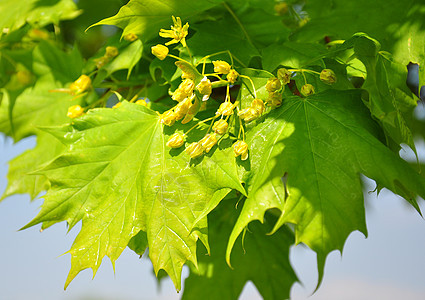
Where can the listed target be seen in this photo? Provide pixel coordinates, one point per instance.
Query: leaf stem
(239, 23)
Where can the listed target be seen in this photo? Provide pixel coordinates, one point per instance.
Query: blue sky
(389, 264)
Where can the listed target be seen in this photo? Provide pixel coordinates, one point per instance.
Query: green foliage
(255, 111)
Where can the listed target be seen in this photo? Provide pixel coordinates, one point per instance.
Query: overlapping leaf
(264, 260)
(119, 178)
(317, 147)
(36, 12)
(146, 17)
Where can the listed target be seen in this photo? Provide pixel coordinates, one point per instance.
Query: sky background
(389, 264)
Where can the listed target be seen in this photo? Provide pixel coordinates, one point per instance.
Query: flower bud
(258, 106)
(307, 90)
(273, 85)
(221, 67)
(232, 76)
(184, 90)
(111, 51)
(187, 70)
(220, 127)
(182, 108)
(208, 141)
(194, 150)
(75, 111)
(204, 87)
(82, 84)
(284, 75)
(274, 99)
(24, 77)
(130, 37)
(118, 104)
(328, 76)
(225, 109)
(160, 51)
(101, 61)
(175, 141)
(248, 114)
(281, 8)
(167, 118)
(241, 148)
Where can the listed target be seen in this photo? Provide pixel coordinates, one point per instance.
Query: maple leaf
(119, 178)
(262, 259)
(306, 160)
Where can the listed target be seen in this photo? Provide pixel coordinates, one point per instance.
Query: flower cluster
(110, 53)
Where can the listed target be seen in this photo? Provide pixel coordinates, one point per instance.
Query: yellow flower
(177, 33)
(273, 85)
(117, 105)
(194, 150)
(204, 87)
(175, 141)
(232, 76)
(187, 70)
(24, 77)
(160, 51)
(220, 127)
(284, 75)
(225, 109)
(248, 114)
(241, 148)
(208, 141)
(221, 67)
(328, 76)
(75, 111)
(182, 108)
(281, 8)
(130, 37)
(258, 106)
(111, 51)
(167, 118)
(184, 90)
(307, 90)
(82, 84)
(274, 99)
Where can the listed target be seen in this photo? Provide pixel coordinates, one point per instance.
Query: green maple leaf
(306, 158)
(146, 17)
(263, 259)
(119, 178)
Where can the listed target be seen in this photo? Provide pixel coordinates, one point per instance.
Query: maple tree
(175, 141)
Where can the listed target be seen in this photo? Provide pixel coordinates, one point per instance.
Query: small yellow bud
(220, 127)
(221, 67)
(141, 102)
(232, 76)
(281, 8)
(273, 85)
(160, 51)
(284, 75)
(82, 84)
(130, 37)
(184, 90)
(111, 51)
(182, 108)
(194, 150)
(24, 77)
(307, 90)
(328, 76)
(225, 109)
(204, 87)
(258, 106)
(75, 111)
(167, 118)
(241, 148)
(101, 61)
(175, 141)
(208, 141)
(274, 99)
(248, 114)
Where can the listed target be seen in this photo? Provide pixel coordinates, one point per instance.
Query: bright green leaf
(119, 178)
